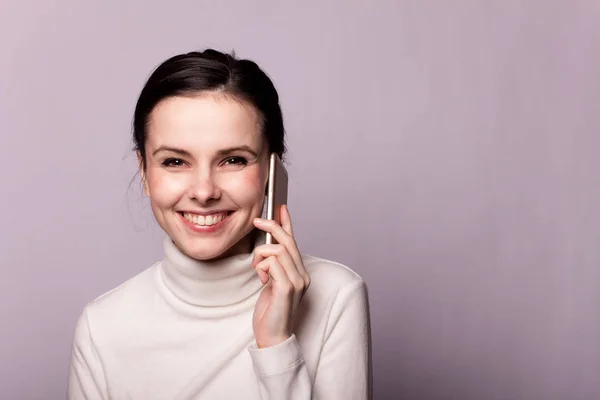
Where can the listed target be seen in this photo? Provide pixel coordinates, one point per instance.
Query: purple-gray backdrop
(446, 151)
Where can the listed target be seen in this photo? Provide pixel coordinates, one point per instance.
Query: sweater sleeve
(344, 369)
(86, 376)
(281, 371)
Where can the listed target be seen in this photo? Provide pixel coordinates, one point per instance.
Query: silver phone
(277, 191)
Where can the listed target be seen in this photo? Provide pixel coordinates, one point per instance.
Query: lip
(205, 213)
(206, 229)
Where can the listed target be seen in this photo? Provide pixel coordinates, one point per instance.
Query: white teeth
(204, 220)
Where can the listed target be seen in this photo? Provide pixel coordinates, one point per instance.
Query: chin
(204, 255)
(212, 248)
(203, 249)
(209, 243)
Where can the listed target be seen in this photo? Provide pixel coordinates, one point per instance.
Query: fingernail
(257, 220)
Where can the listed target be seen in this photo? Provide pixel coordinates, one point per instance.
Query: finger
(286, 219)
(262, 274)
(285, 259)
(271, 226)
(287, 240)
(271, 267)
(266, 250)
(280, 235)
(282, 282)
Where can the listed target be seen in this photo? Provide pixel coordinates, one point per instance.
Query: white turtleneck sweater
(182, 330)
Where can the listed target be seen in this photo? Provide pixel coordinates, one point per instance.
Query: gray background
(446, 151)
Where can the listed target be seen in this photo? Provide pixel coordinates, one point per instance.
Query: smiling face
(206, 173)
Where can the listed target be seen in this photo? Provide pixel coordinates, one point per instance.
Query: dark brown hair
(211, 70)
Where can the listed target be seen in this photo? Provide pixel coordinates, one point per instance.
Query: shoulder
(332, 279)
(115, 307)
(337, 299)
(327, 268)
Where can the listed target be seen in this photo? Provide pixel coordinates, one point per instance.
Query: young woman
(223, 315)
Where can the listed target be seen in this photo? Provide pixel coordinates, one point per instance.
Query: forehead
(204, 122)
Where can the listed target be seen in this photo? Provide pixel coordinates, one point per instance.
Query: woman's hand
(279, 301)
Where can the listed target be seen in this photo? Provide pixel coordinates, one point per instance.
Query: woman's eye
(172, 162)
(236, 161)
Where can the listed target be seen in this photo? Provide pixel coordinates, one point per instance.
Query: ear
(143, 173)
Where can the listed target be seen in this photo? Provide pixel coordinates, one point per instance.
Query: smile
(206, 220)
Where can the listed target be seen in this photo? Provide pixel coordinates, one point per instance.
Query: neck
(218, 282)
(244, 246)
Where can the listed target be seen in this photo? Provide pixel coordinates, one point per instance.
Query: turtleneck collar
(219, 283)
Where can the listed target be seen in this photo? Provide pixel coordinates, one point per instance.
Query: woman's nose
(204, 188)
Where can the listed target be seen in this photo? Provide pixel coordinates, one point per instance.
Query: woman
(223, 315)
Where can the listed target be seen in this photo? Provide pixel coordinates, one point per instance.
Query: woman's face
(206, 173)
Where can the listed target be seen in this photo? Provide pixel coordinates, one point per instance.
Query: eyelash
(237, 160)
(170, 162)
(177, 162)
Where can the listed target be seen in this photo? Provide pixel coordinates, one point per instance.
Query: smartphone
(277, 191)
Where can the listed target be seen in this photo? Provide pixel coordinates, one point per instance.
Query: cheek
(247, 186)
(165, 189)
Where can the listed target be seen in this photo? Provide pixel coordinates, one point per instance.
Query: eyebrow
(221, 152)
